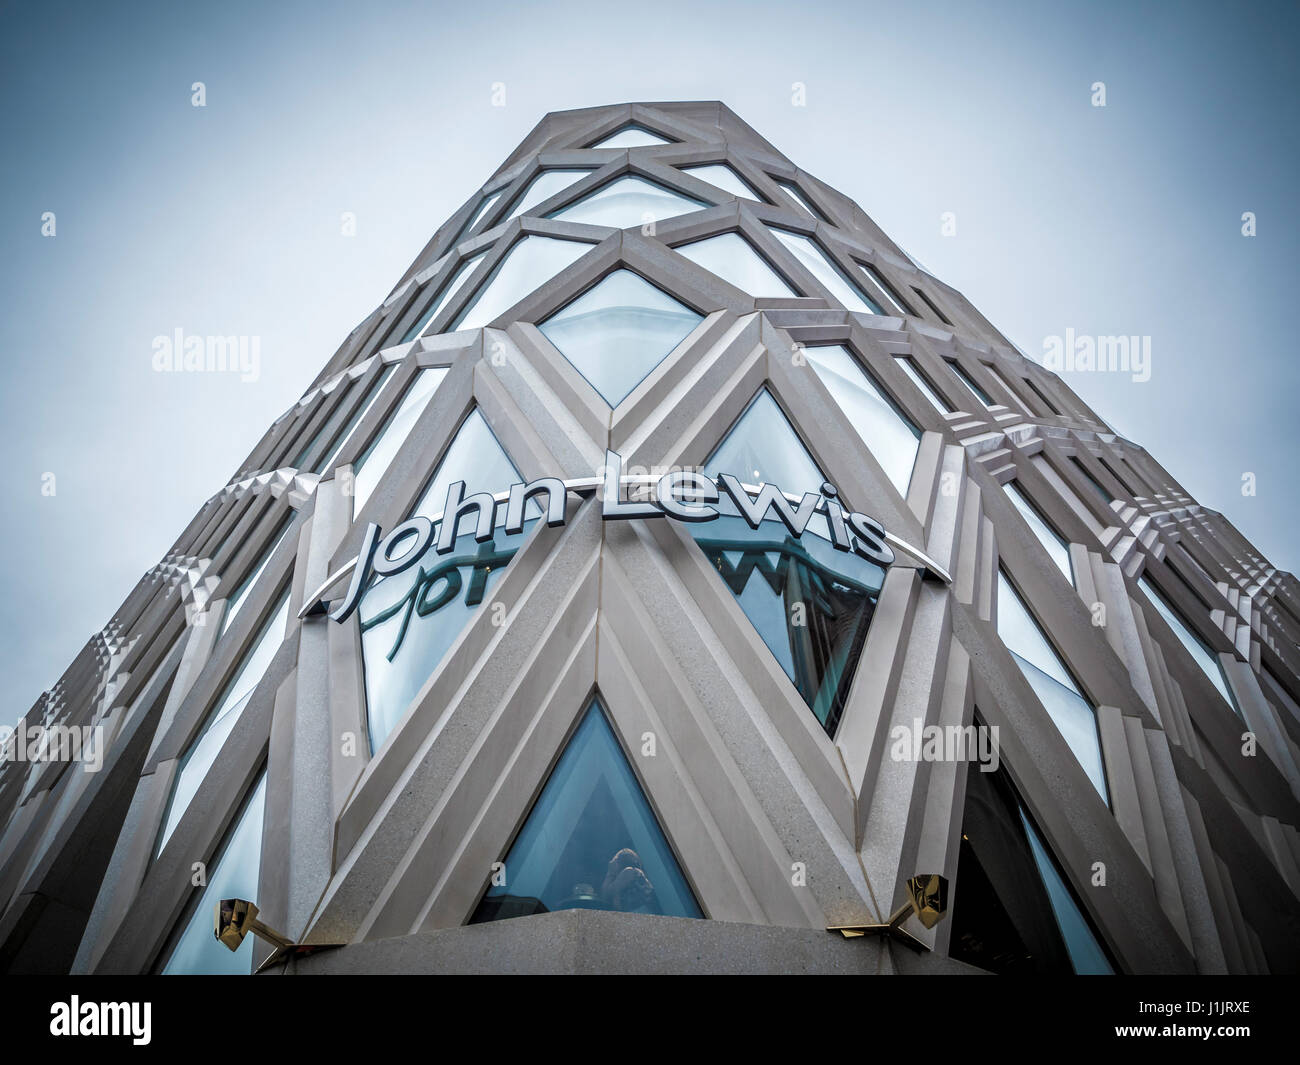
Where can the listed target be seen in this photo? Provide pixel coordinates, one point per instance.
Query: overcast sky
(226, 219)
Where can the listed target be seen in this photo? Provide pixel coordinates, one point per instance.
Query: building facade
(663, 574)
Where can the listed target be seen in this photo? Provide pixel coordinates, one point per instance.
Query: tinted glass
(233, 876)
(591, 841)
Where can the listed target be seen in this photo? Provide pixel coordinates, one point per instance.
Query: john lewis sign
(683, 495)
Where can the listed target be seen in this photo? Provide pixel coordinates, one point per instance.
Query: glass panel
(1013, 914)
(800, 199)
(1202, 655)
(345, 436)
(891, 437)
(815, 261)
(1085, 952)
(619, 331)
(628, 201)
(453, 286)
(528, 265)
(233, 876)
(307, 448)
(1095, 484)
(733, 258)
(205, 746)
(409, 621)
(630, 137)
(236, 602)
(1051, 681)
(971, 384)
(483, 209)
(721, 176)
(811, 604)
(897, 304)
(909, 367)
(591, 841)
(369, 469)
(544, 186)
(1047, 536)
(1043, 396)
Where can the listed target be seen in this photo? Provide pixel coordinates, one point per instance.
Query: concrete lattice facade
(391, 852)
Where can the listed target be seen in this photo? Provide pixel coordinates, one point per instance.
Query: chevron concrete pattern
(1132, 658)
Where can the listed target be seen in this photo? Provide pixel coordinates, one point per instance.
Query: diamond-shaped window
(628, 201)
(721, 176)
(616, 333)
(410, 620)
(544, 186)
(528, 265)
(1052, 682)
(372, 464)
(203, 749)
(810, 603)
(733, 258)
(890, 436)
(819, 265)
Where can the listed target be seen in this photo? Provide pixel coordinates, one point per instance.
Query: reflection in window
(816, 263)
(235, 603)
(545, 185)
(627, 201)
(1056, 690)
(971, 384)
(617, 332)
(233, 875)
(888, 434)
(733, 258)
(1201, 654)
(207, 743)
(630, 137)
(793, 192)
(919, 379)
(410, 620)
(1047, 536)
(369, 469)
(449, 290)
(1013, 912)
(528, 265)
(721, 176)
(811, 604)
(591, 841)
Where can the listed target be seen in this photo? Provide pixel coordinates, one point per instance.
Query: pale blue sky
(225, 220)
